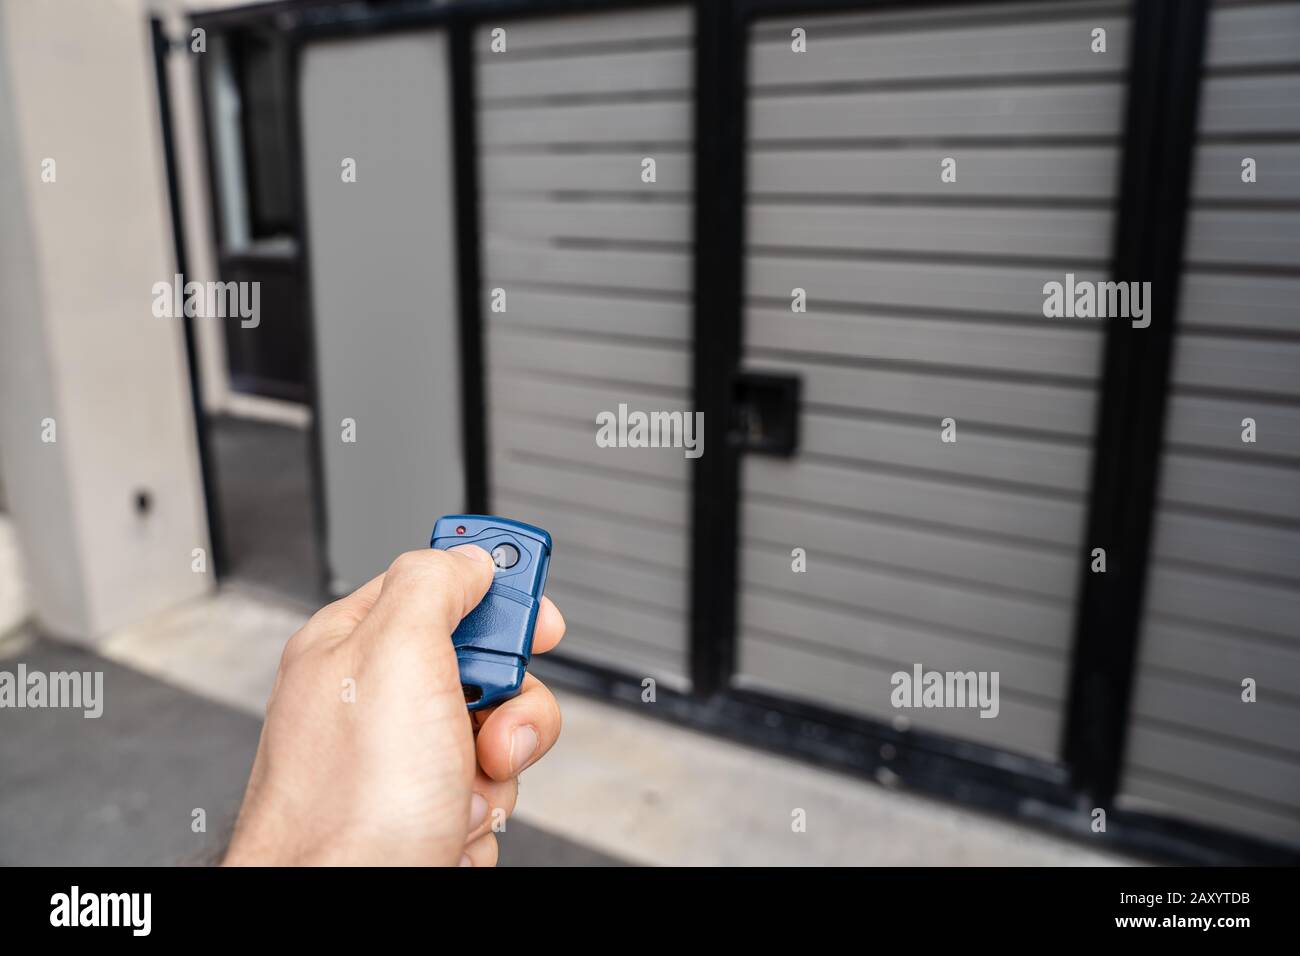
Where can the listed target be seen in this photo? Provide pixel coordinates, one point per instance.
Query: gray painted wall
(383, 294)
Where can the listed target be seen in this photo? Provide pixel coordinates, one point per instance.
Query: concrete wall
(78, 341)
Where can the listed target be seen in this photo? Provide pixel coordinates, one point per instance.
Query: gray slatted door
(595, 267)
(383, 293)
(924, 302)
(1223, 593)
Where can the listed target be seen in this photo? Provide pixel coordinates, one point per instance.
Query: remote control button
(505, 556)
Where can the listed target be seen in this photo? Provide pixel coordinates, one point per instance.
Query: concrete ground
(186, 691)
(184, 695)
(156, 780)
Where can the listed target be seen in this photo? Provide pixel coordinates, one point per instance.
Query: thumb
(427, 593)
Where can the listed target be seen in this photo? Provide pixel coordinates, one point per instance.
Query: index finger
(549, 628)
(340, 617)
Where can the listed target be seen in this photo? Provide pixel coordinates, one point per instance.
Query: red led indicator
(460, 529)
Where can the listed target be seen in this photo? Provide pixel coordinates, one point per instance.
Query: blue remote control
(495, 640)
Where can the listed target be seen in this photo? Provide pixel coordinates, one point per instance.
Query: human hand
(368, 754)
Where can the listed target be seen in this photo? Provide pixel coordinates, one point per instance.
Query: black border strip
(202, 434)
(1159, 135)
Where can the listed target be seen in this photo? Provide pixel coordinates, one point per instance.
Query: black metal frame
(717, 329)
(473, 371)
(222, 21)
(211, 502)
(1164, 79)
(319, 510)
(1159, 135)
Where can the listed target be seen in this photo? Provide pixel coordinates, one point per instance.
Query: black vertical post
(216, 535)
(719, 210)
(1159, 133)
(298, 166)
(473, 386)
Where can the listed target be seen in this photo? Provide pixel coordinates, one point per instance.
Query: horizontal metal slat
(837, 633)
(1000, 290)
(666, 547)
(984, 113)
(1266, 490)
(1228, 602)
(973, 454)
(534, 34)
(792, 670)
(661, 629)
(1049, 520)
(1042, 623)
(625, 71)
(1066, 410)
(506, 261)
(506, 173)
(1234, 545)
(1216, 173)
(1254, 36)
(1261, 303)
(1242, 365)
(974, 51)
(1254, 237)
(658, 124)
(592, 220)
(648, 500)
(1227, 766)
(831, 539)
(1050, 348)
(1215, 424)
(1212, 651)
(512, 433)
(592, 312)
(666, 667)
(1045, 173)
(1075, 235)
(634, 363)
(1217, 710)
(1250, 105)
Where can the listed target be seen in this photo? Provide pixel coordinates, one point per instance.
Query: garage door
(1223, 593)
(924, 302)
(587, 306)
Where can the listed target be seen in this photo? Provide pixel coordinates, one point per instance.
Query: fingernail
(522, 744)
(465, 860)
(478, 811)
(469, 549)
